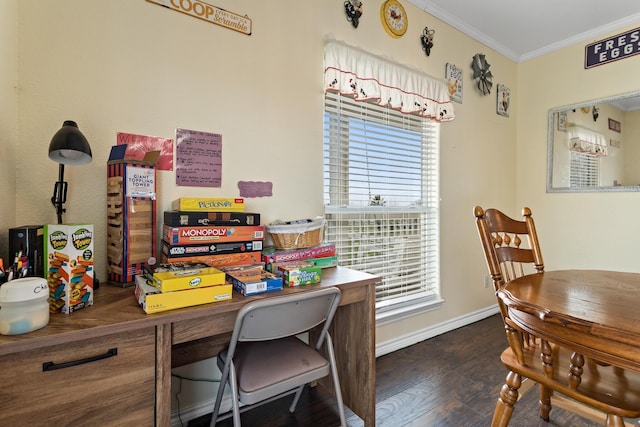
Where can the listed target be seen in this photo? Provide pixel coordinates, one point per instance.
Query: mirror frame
(550, 142)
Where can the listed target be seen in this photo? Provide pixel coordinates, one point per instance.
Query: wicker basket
(296, 234)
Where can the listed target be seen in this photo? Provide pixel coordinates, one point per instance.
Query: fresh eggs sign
(612, 49)
(207, 12)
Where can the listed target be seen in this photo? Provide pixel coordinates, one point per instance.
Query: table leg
(353, 333)
(163, 375)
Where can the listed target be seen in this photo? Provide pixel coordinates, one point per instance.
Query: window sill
(399, 313)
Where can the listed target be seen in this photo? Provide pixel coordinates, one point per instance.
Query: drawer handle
(50, 366)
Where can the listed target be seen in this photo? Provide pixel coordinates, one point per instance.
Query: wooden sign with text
(612, 49)
(207, 12)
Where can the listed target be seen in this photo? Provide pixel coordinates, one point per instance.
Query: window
(381, 199)
(585, 170)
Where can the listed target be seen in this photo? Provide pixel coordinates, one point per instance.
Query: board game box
(182, 219)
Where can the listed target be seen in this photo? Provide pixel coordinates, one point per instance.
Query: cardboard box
(176, 277)
(182, 219)
(153, 301)
(276, 267)
(299, 276)
(267, 282)
(131, 215)
(178, 251)
(198, 204)
(211, 234)
(69, 266)
(272, 254)
(221, 260)
(326, 262)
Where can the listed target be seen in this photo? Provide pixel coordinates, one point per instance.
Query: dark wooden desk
(593, 312)
(168, 339)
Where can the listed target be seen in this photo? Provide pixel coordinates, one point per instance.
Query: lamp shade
(69, 146)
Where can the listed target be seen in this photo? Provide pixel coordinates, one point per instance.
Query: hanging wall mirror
(595, 145)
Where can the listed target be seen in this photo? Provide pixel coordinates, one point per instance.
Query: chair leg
(233, 384)
(336, 380)
(614, 421)
(545, 402)
(508, 398)
(296, 398)
(220, 394)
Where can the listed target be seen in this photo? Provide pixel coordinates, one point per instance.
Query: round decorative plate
(394, 18)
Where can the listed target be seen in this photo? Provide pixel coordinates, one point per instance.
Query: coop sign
(207, 12)
(612, 49)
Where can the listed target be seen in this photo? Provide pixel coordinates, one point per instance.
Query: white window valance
(366, 77)
(586, 140)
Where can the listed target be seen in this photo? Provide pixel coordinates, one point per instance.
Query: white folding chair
(265, 359)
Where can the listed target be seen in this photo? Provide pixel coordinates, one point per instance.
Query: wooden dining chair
(266, 360)
(511, 250)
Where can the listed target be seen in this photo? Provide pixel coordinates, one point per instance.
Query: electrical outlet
(487, 281)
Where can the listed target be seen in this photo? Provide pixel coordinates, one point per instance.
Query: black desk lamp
(68, 147)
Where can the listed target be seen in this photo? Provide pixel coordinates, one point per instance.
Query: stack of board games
(213, 231)
(170, 286)
(300, 266)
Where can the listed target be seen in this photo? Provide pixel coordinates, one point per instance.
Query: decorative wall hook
(353, 9)
(427, 40)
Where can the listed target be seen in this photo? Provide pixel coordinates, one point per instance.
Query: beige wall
(141, 68)
(136, 67)
(8, 118)
(581, 230)
(132, 66)
(128, 66)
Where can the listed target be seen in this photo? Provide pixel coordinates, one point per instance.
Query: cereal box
(69, 266)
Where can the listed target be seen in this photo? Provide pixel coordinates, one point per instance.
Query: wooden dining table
(593, 312)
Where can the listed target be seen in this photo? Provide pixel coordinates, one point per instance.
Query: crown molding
(501, 48)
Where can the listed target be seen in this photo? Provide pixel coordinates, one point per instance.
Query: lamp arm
(60, 194)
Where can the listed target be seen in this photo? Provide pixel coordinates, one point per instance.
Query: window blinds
(381, 196)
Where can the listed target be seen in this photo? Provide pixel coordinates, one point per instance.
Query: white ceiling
(521, 30)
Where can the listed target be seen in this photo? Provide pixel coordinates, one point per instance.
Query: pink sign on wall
(198, 158)
(139, 145)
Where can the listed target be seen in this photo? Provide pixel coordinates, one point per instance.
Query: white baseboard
(434, 330)
(198, 410)
(206, 406)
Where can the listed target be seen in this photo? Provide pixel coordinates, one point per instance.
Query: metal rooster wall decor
(482, 74)
(427, 40)
(353, 9)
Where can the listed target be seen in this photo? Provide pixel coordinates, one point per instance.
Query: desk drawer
(102, 381)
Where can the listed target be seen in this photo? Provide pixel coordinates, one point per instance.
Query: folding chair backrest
(279, 317)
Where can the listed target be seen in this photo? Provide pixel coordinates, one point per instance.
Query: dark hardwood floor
(452, 380)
